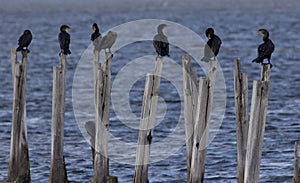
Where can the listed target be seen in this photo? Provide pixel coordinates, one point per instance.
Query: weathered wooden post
(201, 129)
(190, 105)
(102, 106)
(296, 165)
(19, 165)
(58, 173)
(241, 110)
(147, 123)
(257, 124)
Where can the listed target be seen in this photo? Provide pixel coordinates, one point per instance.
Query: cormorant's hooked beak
(258, 31)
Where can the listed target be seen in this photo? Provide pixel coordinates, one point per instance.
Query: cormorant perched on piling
(160, 42)
(108, 40)
(96, 37)
(64, 39)
(212, 47)
(265, 50)
(24, 41)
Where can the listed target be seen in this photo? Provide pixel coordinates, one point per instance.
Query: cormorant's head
(95, 27)
(209, 32)
(264, 32)
(64, 28)
(161, 27)
(27, 31)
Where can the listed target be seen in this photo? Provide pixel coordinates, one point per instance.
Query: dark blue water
(237, 30)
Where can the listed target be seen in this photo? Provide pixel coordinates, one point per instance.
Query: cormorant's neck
(266, 37)
(160, 31)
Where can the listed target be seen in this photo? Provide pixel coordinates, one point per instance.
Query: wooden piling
(241, 109)
(19, 165)
(296, 165)
(58, 173)
(190, 105)
(147, 123)
(201, 128)
(257, 123)
(102, 104)
(198, 160)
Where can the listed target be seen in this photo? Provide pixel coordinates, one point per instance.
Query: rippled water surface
(237, 30)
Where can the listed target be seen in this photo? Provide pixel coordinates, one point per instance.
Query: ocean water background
(234, 21)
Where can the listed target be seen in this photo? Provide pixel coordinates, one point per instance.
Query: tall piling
(147, 123)
(19, 165)
(58, 173)
(241, 110)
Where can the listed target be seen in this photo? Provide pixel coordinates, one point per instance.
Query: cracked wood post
(58, 173)
(102, 106)
(257, 124)
(241, 109)
(19, 165)
(147, 123)
(296, 166)
(201, 128)
(190, 105)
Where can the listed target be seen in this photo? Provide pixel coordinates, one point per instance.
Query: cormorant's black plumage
(96, 32)
(160, 42)
(265, 50)
(25, 40)
(213, 45)
(64, 39)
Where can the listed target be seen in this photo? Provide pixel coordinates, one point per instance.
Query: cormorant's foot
(68, 52)
(27, 50)
(168, 55)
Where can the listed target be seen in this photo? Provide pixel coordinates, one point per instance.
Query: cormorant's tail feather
(257, 60)
(19, 48)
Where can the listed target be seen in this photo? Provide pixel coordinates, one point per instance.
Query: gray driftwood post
(102, 106)
(257, 124)
(190, 105)
(241, 110)
(19, 165)
(147, 123)
(58, 173)
(201, 129)
(296, 166)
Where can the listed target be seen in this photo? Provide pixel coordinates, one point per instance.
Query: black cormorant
(64, 39)
(96, 37)
(24, 41)
(96, 32)
(160, 42)
(212, 47)
(265, 50)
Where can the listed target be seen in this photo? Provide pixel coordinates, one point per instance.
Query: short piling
(190, 105)
(19, 165)
(241, 110)
(201, 126)
(257, 124)
(296, 165)
(58, 173)
(102, 105)
(147, 123)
